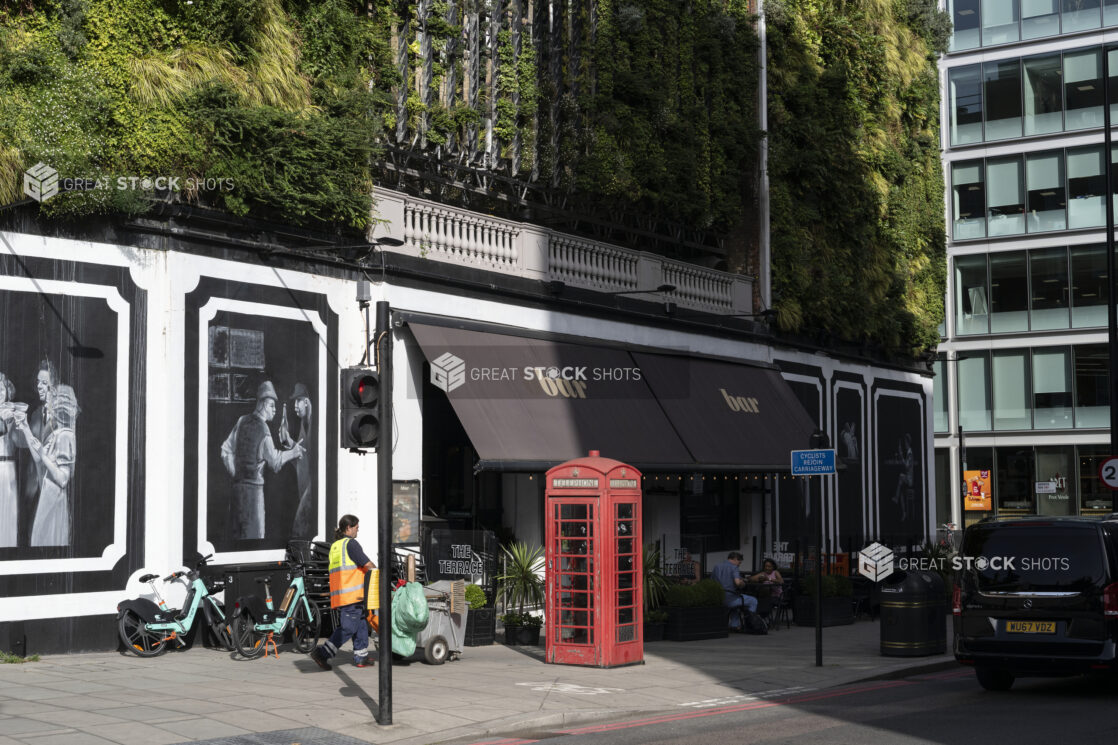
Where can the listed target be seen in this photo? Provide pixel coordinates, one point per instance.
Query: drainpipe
(764, 258)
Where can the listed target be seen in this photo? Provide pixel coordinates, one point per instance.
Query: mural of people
(245, 452)
(9, 482)
(46, 381)
(54, 460)
(904, 493)
(849, 441)
(303, 526)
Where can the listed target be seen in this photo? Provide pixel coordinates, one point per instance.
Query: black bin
(240, 580)
(913, 615)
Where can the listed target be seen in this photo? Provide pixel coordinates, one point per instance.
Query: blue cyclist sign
(819, 462)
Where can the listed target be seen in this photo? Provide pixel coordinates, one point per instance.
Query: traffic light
(360, 397)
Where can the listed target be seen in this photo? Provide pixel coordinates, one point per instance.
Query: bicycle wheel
(305, 632)
(248, 641)
(136, 637)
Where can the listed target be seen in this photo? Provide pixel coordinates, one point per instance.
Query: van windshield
(1011, 559)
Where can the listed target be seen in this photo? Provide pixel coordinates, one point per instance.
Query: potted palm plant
(655, 589)
(522, 585)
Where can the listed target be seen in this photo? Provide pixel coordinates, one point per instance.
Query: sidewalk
(207, 694)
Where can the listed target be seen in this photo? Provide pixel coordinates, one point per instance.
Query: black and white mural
(260, 406)
(799, 497)
(901, 466)
(850, 418)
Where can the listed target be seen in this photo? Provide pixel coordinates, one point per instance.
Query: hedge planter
(527, 636)
(653, 632)
(836, 611)
(481, 627)
(691, 624)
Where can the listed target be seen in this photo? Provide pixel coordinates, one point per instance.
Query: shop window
(965, 19)
(977, 461)
(974, 392)
(1005, 196)
(1011, 390)
(1083, 90)
(709, 514)
(1009, 292)
(1044, 99)
(1044, 180)
(1039, 18)
(1048, 282)
(1002, 94)
(1055, 482)
(1092, 385)
(1000, 21)
(1088, 286)
(969, 192)
(1052, 397)
(939, 396)
(943, 482)
(972, 307)
(965, 90)
(1080, 15)
(1086, 188)
(1095, 498)
(1013, 482)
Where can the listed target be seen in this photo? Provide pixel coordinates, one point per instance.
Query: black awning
(727, 412)
(528, 402)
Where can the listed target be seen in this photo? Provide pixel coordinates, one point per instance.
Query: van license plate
(1030, 627)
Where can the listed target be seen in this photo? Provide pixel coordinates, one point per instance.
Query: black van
(1037, 596)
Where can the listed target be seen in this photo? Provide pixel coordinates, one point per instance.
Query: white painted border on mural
(206, 314)
(115, 550)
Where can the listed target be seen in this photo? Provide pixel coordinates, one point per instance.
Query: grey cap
(266, 390)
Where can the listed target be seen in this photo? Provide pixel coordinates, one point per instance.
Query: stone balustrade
(441, 233)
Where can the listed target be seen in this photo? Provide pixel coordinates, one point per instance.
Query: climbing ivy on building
(858, 237)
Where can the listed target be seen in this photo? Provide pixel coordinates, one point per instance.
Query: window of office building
(1000, 21)
(965, 90)
(1086, 188)
(972, 307)
(974, 392)
(939, 396)
(1092, 385)
(1002, 96)
(1095, 498)
(1056, 485)
(1039, 18)
(1052, 380)
(1080, 15)
(970, 200)
(1083, 95)
(1013, 481)
(1011, 390)
(1088, 286)
(1009, 292)
(1044, 179)
(1044, 99)
(1048, 274)
(1005, 196)
(1110, 14)
(965, 17)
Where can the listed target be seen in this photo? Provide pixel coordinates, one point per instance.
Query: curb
(924, 669)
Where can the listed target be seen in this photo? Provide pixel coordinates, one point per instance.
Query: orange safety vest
(347, 580)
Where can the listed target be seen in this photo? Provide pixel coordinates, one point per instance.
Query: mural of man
(245, 452)
(10, 411)
(304, 524)
(905, 479)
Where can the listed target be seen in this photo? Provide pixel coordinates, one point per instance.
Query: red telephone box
(594, 576)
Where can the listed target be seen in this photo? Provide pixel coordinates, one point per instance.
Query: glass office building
(1022, 375)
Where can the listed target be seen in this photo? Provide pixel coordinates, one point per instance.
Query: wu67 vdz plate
(1030, 627)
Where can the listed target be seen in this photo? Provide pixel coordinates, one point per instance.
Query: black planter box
(691, 624)
(836, 611)
(481, 627)
(653, 632)
(526, 636)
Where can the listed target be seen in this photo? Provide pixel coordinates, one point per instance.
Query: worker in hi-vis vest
(348, 566)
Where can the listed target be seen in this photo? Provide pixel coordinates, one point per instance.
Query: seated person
(769, 575)
(688, 569)
(728, 575)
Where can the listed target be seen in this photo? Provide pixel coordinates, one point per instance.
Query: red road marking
(729, 709)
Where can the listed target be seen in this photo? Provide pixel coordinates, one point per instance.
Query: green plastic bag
(409, 617)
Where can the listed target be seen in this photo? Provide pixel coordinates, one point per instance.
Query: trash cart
(445, 633)
(913, 614)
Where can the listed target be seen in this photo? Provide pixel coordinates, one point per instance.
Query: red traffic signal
(360, 398)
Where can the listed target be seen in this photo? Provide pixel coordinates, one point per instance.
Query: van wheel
(993, 679)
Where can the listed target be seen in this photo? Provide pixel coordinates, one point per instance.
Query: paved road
(946, 708)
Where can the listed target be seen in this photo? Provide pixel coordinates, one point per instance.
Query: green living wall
(858, 238)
